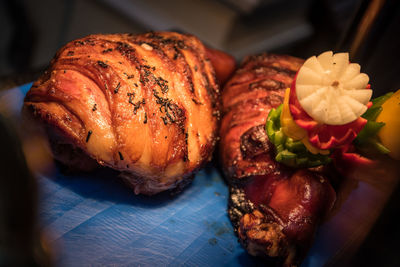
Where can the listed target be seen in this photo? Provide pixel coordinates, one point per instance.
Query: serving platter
(94, 220)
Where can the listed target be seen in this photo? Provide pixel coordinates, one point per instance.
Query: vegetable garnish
(390, 133)
(324, 136)
(294, 131)
(331, 90)
(321, 111)
(288, 151)
(367, 139)
(327, 99)
(327, 114)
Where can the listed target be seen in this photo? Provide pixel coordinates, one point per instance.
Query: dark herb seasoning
(171, 112)
(65, 71)
(186, 137)
(70, 53)
(181, 44)
(117, 88)
(107, 50)
(196, 102)
(94, 107)
(163, 84)
(195, 68)
(90, 41)
(135, 84)
(147, 73)
(102, 64)
(191, 86)
(79, 43)
(137, 105)
(120, 156)
(166, 107)
(129, 76)
(88, 135)
(145, 118)
(131, 97)
(123, 45)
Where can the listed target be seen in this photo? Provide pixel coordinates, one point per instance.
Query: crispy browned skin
(247, 98)
(275, 210)
(145, 105)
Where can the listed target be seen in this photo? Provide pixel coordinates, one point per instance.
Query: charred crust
(259, 230)
(267, 84)
(102, 64)
(286, 71)
(254, 142)
(238, 205)
(107, 50)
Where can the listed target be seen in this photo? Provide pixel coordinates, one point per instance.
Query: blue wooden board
(94, 220)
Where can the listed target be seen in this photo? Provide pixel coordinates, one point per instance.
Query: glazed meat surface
(274, 209)
(145, 105)
(256, 87)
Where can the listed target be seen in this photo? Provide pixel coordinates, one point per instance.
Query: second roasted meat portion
(275, 210)
(145, 105)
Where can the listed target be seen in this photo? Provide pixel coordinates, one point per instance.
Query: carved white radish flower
(331, 90)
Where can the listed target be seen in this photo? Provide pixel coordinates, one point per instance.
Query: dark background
(32, 32)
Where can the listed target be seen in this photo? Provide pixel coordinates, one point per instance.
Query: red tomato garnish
(323, 136)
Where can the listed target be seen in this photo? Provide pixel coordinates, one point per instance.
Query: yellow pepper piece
(312, 148)
(289, 127)
(294, 131)
(390, 133)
